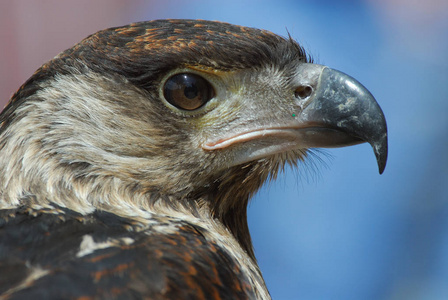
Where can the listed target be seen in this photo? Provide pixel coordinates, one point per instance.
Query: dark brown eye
(188, 91)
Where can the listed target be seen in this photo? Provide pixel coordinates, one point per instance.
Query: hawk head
(176, 117)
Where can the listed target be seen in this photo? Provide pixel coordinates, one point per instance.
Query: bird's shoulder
(52, 252)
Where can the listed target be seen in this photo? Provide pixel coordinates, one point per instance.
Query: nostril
(303, 91)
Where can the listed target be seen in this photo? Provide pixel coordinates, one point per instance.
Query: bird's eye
(188, 91)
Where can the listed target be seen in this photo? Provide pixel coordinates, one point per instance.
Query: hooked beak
(342, 112)
(336, 111)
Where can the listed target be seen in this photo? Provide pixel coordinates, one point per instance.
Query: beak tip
(381, 167)
(381, 150)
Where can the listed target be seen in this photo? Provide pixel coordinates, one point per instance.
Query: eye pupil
(187, 91)
(191, 92)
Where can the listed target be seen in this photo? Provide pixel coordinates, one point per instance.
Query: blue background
(337, 229)
(334, 228)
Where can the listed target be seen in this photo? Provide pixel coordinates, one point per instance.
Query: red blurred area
(32, 32)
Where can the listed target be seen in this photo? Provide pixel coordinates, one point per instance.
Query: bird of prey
(127, 161)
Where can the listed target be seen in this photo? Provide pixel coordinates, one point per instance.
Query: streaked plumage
(113, 184)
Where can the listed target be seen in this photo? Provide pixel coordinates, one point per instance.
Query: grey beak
(342, 112)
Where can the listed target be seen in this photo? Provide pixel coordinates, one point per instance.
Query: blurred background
(334, 228)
